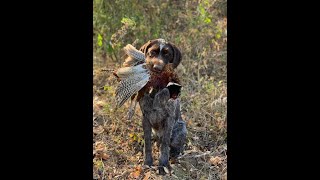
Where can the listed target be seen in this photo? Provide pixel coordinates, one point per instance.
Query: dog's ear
(176, 56)
(145, 47)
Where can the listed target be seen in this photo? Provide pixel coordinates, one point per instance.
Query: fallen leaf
(99, 104)
(136, 173)
(138, 155)
(147, 175)
(105, 156)
(98, 130)
(100, 146)
(215, 160)
(139, 168)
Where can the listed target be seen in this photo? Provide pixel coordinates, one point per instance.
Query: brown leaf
(136, 173)
(98, 130)
(99, 104)
(100, 146)
(105, 156)
(189, 122)
(139, 168)
(147, 175)
(215, 160)
(138, 155)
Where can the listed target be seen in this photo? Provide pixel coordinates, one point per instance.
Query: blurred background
(199, 29)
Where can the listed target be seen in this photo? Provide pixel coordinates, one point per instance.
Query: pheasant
(135, 79)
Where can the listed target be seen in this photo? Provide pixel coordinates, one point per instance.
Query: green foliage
(99, 40)
(128, 22)
(107, 108)
(109, 48)
(186, 22)
(204, 15)
(107, 88)
(210, 87)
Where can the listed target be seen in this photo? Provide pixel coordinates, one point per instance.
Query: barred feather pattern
(126, 72)
(134, 53)
(130, 86)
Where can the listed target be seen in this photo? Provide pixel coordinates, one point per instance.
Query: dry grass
(118, 143)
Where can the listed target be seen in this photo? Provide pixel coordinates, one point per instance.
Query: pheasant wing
(130, 86)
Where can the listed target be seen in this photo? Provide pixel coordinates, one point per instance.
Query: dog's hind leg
(178, 138)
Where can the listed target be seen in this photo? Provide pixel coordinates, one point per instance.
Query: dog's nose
(157, 67)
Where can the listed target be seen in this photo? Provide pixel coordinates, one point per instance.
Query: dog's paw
(164, 166)
(148, 162)
(163, 170)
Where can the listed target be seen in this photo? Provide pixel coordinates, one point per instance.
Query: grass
(203, 106)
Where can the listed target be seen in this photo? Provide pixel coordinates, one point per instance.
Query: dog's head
(158, 53)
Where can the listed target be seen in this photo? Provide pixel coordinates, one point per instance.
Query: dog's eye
(165, 51)
(152, 53)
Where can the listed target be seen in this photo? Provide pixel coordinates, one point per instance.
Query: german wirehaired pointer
(160, 109)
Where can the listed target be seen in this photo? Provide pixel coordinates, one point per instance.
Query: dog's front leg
(171, 107)
(147, 142)
(146, 107)
(160, 116)
(164, 145)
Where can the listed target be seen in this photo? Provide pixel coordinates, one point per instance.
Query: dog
(161, 112)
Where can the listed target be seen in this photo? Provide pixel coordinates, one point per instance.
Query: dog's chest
(158, 132)
(157, 127)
